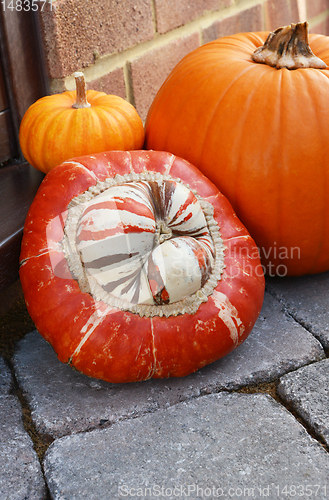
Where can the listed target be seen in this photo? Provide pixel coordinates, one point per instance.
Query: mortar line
(302, 323)
(39, 442)
(271, 389)
(128, 83)
(109, 62)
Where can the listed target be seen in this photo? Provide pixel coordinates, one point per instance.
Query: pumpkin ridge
(83, 167)
(94, 322)
(269, 185)
(279, 181)
(255, 39)
(32, 125)
(185, 105)
(94, 95)
(46, 106)
(281, 238)
(115, 122)
(171, 164)
(154, 366)
(44, 155)
(123, 124)
(105, 100)
(97, 131)
(59, 129)
(322, 215)
(65, 98)
(228, 89)
(237, 136)
(122, 114)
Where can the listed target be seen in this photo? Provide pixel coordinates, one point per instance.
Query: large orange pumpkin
(260, 132)
(61, 126)
(134, 266)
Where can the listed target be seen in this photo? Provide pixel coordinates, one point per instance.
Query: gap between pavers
(219, 446)
(21, 477)
(307, 300)
(307, 392)
(63, 401)
(6, 381)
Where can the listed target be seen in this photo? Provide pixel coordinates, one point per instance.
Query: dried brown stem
(81, 97)
(288, 47)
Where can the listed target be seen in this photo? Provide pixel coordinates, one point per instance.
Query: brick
(149, 71)
(248, 20)
(281, 13)
(112, 83)
(74, 32)
(316, 7)
(170, 15)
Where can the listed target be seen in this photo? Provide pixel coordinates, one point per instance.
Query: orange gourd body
(52, 131)
(261, 135)
(110, 341)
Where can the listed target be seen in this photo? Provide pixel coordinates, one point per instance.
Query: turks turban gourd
(74, 123)
(251, 112)
(134, 265)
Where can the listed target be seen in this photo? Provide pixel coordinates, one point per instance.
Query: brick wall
(128, 47)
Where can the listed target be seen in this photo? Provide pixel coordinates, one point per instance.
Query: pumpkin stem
(288, 47)
(81, 90)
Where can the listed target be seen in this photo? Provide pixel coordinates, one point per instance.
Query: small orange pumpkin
(74, 123)
(260, 133)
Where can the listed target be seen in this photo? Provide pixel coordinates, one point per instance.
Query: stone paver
(307, 299)
(307, 391)
(21, 477)
(218, 446)
(63, 401)
(5, 378)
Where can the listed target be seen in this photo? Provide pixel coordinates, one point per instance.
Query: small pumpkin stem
(288, 47)
(81, 89)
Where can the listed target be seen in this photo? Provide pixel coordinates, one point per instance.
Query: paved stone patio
(254, 424)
